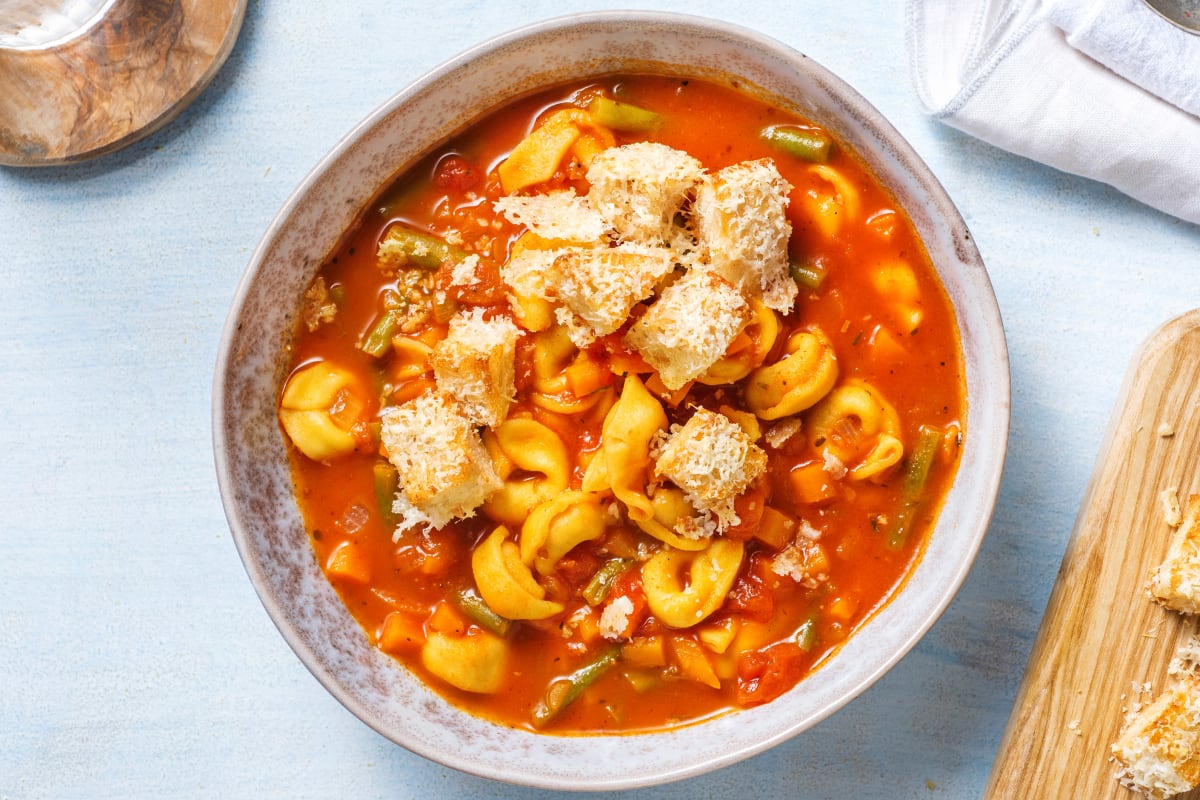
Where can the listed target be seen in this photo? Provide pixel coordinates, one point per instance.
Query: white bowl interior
(252, 461)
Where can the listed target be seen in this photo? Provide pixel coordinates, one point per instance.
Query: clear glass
(37, 24)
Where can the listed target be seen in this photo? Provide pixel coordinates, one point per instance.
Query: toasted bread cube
(1176, 582)
(639, 188)
(559, 216)
(741, 222)
(713, 460)
(1160, 746)
(475, 365)
(599, 286)
(444, 471)
(689, 327)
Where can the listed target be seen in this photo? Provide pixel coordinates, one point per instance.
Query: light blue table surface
(135, 658)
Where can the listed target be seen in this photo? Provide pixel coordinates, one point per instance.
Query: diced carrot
(400, 632)
(346, 409)
(412, 389)
(645, 651)
(812, 484)
(885, 347)
(673, 398)
(692, 662)
(883, 223)
(777, 528)
(448, 620)
(588, 628)
(843, 608)
(347, 563)
(435, 562)
(622, 362)
(586, 376)
(749, 507)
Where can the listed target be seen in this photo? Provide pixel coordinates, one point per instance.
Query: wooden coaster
(121, 78)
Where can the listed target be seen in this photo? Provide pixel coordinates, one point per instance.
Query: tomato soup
(625, 407)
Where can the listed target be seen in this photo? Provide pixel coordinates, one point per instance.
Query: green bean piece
(386, 482)
(378, 341)
(916, 474)
(806, 634)
(419, 249)
(622, 116)
(803, 142)
(597, 589)
(810, 274)
(566, 690)
(444, 307)
(929, 439)
(478, 610)
(337, 293)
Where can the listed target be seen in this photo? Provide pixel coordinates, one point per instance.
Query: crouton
(689, 327)
(1159, 749)
(599, 286)
(713, 460)
(444, 471)
(1176, 582)
(474, 365)
(639, 188)
(742, 225)
(557, 216)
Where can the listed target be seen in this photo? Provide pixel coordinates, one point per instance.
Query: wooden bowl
(76, 88)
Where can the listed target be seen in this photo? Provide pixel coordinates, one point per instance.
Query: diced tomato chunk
(751, 597)
(749, 507)
(629, 584)
(765, 674)
(456, 174)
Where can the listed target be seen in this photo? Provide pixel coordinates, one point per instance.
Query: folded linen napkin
(1106, 89)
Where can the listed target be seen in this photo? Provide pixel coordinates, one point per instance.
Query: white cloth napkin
(1106, 89)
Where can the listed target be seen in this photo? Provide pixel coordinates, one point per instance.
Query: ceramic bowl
(252, 461)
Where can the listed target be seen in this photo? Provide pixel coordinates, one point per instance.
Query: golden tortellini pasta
(671, 512)
(835, 203)
(685, 588)
(313, 397)
(519, 446)
(475, 662)
(858, 427)
(896, 281)
(797, 381)
(556, 526)
(748, 350)
(625, 441)
(506, 583)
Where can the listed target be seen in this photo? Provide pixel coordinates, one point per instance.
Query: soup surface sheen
(625, 570)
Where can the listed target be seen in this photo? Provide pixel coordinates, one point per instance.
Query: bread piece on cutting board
(1176, 582)
(1100, 635)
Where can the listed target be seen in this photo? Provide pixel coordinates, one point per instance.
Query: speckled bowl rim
(262, 513)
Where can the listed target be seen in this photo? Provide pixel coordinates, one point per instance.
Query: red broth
(899, 338)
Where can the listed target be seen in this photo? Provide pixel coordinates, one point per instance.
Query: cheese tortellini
(856, 425)
(797, 381)
(683, 588)
(519, 446)
(506, 583)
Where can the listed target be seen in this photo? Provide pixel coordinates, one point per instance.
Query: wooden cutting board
(1102, 638)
